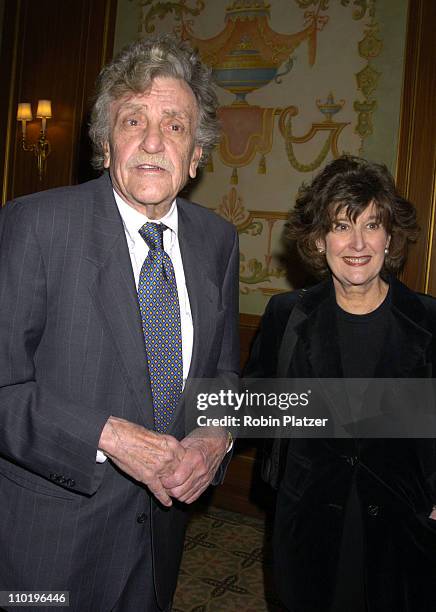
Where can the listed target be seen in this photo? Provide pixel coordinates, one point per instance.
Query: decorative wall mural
(257, 224)
(297, 82)
(329, 108)
(367, 79)
(248, 53)
(247, 131)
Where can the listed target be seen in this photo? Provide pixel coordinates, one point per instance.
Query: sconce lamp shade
(44, 109)
(24, 112)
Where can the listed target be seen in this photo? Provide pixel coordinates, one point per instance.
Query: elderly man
(112, 293)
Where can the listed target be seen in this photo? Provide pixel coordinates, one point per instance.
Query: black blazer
(395, 478)
(72, 354)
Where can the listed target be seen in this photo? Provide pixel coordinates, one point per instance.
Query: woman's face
(355, 251)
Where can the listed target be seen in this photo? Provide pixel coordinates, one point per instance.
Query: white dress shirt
(138, 249)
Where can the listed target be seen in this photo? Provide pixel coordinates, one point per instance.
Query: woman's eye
(132, 122)
(373, 226)
(340, 227)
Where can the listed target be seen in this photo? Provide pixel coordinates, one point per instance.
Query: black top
(361, 338)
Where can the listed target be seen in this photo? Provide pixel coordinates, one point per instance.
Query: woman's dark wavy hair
(351, 184)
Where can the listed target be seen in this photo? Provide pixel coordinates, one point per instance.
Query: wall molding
(416, 151)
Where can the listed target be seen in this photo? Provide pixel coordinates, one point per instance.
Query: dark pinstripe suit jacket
(71, 355)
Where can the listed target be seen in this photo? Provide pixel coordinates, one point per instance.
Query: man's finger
(195, 495)
(192, 489)
(181, 476)
(160, 493)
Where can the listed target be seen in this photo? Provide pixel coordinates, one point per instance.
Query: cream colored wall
(371, 46)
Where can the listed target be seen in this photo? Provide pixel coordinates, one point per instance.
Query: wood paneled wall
(53, 50)
(417, 154)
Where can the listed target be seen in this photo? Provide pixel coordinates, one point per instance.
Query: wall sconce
(42, 147)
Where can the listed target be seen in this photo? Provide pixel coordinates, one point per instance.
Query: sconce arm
(27, 147)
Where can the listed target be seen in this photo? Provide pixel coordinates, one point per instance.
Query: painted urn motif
(247, 53)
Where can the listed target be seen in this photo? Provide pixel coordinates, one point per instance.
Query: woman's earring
(386, 250)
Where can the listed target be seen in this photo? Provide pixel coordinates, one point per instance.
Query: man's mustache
(151, 160)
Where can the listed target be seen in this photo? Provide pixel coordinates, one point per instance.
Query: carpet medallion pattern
(226, 565)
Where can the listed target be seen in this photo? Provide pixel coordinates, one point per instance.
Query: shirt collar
(134, 220)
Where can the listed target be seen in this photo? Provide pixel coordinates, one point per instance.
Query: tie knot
(152, 233)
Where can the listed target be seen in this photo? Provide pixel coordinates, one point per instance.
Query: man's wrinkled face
(151, 152)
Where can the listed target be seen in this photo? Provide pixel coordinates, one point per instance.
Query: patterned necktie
(159, 306)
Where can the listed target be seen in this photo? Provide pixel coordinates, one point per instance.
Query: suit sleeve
(228, 364)
(45, 433)
(229, 359)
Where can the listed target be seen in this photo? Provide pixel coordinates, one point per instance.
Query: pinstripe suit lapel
(203, 292)
(114, 293)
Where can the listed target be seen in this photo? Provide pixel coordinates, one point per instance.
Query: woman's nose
(357, 239)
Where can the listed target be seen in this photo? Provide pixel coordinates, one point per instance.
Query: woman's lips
(357, 261)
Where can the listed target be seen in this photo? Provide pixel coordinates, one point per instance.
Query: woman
(353, 525)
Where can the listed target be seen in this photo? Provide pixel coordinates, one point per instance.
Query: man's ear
(195, 158)
(107, 154)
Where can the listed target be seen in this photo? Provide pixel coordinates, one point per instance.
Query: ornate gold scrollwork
(332, 127)
(159, 10)
(367, 78)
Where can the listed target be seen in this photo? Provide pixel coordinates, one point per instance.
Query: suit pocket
(33, 483)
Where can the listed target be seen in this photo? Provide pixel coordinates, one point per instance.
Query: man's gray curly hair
(133, 71)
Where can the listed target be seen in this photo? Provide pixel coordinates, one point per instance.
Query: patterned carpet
(226, 565)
